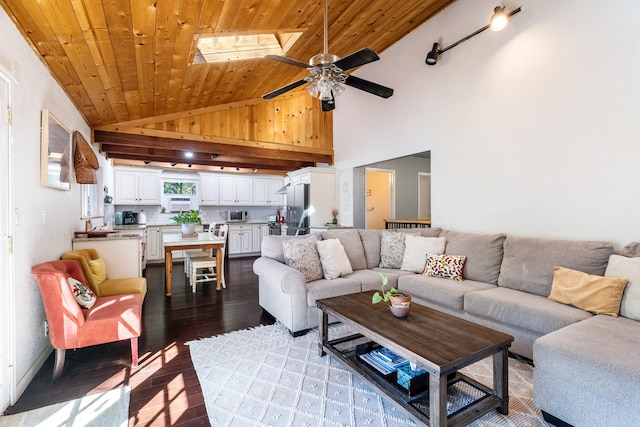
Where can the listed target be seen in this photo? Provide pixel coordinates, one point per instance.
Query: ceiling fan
(328, 73)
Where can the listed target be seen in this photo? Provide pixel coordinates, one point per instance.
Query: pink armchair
(112, 318)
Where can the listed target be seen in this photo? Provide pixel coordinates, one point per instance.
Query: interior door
(6, 290)
(424, 195)
(379, 197)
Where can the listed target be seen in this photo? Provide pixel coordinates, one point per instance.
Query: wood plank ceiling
(126, 64)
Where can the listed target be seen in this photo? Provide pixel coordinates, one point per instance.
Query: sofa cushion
(597, 294)
(522, 310)
(391, 249)
(443, 292)
(483, 251)
(416, 249)
(430, 231)
(629, 268)
(371, 245)
(302, 255)
(272, 246)
(446, 266)
(333, 258)
(352, 244)
(319, 289)
(372, 280)
(528, 262)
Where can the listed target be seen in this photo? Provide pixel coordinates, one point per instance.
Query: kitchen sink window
(180, 195)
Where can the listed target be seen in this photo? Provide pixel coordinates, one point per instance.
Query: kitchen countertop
(115, 236)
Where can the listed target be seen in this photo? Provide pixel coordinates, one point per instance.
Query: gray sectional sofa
(587, 367)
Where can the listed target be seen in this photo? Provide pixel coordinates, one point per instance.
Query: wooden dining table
(179, 243)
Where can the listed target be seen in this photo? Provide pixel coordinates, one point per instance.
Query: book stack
(384, 360)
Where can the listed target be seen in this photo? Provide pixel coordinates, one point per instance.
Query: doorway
(424, 195)
(7, 385)
(379, 197)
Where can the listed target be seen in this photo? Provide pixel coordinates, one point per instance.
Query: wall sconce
(498, 21)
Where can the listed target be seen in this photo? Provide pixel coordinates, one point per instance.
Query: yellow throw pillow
(597, 294)
(99, 270)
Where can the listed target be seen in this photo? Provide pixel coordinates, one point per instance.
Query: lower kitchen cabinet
(240, 239)
(155, 250)
(259, 231)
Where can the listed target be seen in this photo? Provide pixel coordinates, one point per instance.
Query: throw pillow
(416, 249)
(333, 258)
(445, 265)
(98, 270)
(83, 295)
(596, 294)
(391, 249)
(301, 254)
(629, 268)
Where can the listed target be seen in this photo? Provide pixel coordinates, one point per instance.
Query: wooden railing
(407, 223)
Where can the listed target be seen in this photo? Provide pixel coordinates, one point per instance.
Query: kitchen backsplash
(209, 214)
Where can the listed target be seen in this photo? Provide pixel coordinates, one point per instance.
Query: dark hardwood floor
(164, 388)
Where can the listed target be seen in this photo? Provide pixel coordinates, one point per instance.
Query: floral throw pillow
(445, 266)
(302, 255)
(84, 296)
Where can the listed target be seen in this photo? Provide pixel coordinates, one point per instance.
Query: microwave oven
(236, 216)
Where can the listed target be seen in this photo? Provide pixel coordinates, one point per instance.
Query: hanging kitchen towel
(85, 160)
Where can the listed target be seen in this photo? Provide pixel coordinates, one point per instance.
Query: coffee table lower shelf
(467, 399)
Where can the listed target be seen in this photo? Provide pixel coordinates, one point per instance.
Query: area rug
(265, 377)
(108, 409)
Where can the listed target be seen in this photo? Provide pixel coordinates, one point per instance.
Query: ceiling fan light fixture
(499, 20)
(336, 88)
(313, 89)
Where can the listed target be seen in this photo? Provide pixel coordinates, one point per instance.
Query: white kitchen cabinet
(236, 191)
(121, 255)
(258, 232)
(264, 191)
(136, 187)
(210, 190)
(240, 239)
(322, 192)
(155, 251)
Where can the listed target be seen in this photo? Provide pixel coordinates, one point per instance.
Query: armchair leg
(59, 363)
(134, 352)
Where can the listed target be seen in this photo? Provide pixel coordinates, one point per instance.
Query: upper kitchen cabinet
(236, 190)
(264, 191)
(137, 186)
(210, 189)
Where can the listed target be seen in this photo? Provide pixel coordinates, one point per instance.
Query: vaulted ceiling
(127, 66)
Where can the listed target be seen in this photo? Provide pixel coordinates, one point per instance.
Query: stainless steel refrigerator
(298, 209)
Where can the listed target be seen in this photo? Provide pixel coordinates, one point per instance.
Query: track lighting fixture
(221, 167)
(146, 162)
(254, 170)
(189, 165)
(498, 21)
(237, 169)
(173, 164)
(214, 155)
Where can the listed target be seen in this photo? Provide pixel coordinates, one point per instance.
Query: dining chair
(203, 269)
(197, 253)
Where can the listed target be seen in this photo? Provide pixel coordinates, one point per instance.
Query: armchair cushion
(108, 287)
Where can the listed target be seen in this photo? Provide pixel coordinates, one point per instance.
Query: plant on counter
(191, 217)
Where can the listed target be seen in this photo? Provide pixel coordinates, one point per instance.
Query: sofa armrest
(280, 277)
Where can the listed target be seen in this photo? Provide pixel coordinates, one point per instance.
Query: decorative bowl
(400, 311)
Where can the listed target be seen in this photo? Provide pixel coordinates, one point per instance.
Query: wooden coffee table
(436, 342)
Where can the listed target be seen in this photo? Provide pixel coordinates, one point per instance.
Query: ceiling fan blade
(284, 89)
(328, 105)
(367, 86)
(289, 61)
(356, 59)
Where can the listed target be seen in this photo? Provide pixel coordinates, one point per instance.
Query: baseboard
(554, 420)
(31, 373)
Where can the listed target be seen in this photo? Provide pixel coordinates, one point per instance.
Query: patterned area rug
(265, 377)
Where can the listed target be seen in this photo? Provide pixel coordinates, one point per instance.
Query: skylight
(242, 46)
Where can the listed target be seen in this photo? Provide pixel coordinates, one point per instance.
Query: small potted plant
(399, 302)
(188, 220)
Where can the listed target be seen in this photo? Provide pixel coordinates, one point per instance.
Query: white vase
(188, 228)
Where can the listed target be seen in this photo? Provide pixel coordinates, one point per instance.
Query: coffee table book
(436, 342)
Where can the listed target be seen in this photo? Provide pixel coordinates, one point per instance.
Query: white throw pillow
(628, 268)
(333, 258)
(416, 249)
(83, 295)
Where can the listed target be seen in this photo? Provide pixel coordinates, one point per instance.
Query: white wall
(34, 242)
(533, 131)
